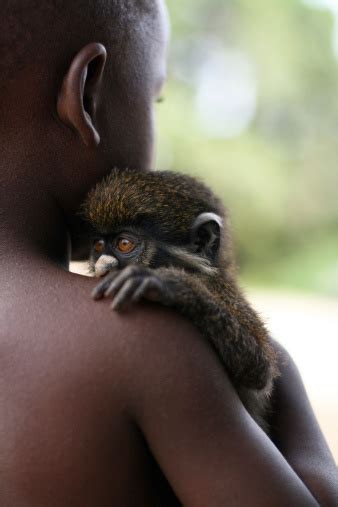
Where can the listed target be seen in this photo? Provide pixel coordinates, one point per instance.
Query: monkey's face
(136, 245)
(116, 251)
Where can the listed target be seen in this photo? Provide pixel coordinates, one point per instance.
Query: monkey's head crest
(163, 202)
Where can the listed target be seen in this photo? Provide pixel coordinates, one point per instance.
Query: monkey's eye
(124, 245)
(99, 245)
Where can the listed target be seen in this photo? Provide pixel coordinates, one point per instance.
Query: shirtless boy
(97, 409)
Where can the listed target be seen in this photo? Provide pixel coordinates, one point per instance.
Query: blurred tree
(252, 108)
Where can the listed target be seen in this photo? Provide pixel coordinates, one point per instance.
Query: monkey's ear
(79, 94)
(206, 234)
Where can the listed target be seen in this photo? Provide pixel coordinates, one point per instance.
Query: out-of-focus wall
(307, 326)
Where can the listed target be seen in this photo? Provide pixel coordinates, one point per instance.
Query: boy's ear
(206, 234)
(78, 97)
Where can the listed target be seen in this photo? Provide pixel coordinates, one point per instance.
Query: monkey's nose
(105, 264)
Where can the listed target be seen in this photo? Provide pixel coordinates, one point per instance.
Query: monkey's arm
(228, 323)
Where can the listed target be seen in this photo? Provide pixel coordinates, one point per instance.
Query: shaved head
(78, 82)
(35, 33)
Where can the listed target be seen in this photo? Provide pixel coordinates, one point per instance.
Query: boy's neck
(31, 223)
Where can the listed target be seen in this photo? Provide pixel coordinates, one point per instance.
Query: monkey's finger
(99, 291)
(116, 284)
(150, 289)
(123, 296)
(132, 271)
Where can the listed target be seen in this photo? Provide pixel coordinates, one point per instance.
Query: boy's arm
(298, 436)
(209, 448)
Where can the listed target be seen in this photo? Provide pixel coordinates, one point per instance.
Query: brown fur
(129, 197)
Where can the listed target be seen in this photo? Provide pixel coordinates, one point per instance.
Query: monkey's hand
(131, 285)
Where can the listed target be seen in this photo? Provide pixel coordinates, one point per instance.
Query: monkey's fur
(182, 259)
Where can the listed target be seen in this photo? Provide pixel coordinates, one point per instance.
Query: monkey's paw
(129, 286)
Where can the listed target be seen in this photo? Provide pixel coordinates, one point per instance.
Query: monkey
(164, 237)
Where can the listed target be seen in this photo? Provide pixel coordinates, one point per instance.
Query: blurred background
(251, 107)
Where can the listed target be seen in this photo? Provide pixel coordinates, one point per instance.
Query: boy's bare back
(68, 435)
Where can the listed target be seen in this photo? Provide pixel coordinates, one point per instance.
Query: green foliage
(278, 176)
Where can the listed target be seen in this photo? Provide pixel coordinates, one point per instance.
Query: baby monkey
(164, 237)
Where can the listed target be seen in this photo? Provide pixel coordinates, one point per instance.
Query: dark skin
(90, 406)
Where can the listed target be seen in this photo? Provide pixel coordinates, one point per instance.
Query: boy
(97, 409)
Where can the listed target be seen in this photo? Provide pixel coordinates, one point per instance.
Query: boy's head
(78, 80)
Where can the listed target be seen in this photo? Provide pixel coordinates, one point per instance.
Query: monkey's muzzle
(105, 264)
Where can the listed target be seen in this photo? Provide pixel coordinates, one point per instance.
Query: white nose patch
(105, 264)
